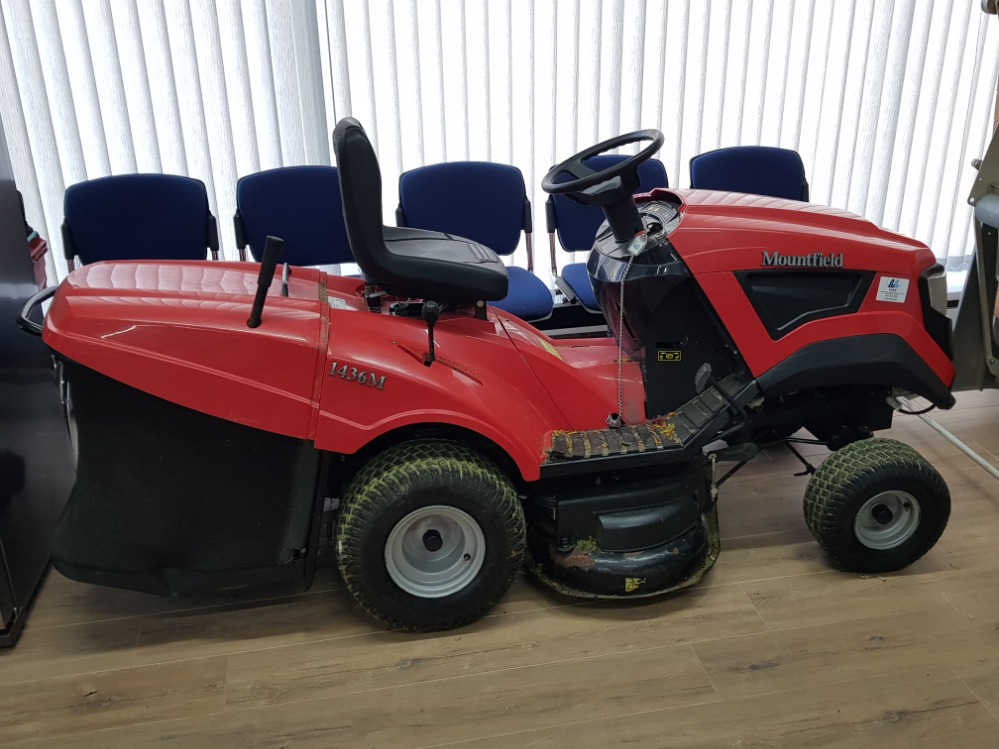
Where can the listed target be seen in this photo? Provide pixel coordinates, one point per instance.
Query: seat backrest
(411, 262)
(577, 224)
(300, 204)
(361, 193)
(138, 217)
(755, 170)
(479, 200)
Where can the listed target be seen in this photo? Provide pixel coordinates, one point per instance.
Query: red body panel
(720, 233)
(587, 400)
(322, 367)
(478, 382)
(178, 331)
(490, 376)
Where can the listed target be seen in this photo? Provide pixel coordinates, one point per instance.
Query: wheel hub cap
(432, 541)
(882, 514)
(887, 520)
(435, 551)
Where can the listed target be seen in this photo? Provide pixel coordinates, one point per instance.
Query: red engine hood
(722, 231)
(720, 235)
(177, 330)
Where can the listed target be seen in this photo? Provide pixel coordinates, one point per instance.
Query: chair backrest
(478, 200)
(300, 204)
(755, 170)
(139, 217)
(577, 224)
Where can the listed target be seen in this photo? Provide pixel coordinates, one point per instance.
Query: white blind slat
(884, 138)
(898, 180)
(263, 95)
(110, 95)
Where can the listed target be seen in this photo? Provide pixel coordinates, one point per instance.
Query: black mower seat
(409, 262)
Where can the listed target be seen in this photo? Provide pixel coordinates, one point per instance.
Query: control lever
(430, 312)
(702, 378)
(272, 253)
(705, 377)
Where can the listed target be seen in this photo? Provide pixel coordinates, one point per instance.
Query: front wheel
(430, 535)
(876, 506)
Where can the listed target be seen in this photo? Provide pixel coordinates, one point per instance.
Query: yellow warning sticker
(549, 348)
(670, 356)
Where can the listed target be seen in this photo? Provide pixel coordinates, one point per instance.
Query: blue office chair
(755, 170)
(484, 202)
(300, 204)
(138, 217)
(576, 225)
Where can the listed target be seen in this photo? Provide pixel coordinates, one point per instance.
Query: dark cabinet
(36, 458)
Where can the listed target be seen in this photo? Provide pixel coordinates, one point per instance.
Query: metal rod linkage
(903, 401)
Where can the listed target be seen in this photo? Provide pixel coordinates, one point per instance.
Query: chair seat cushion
(442, 267)
(529, 298)
(578, 279)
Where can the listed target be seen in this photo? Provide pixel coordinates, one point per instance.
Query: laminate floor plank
(454, 709)
(103, 739)
(767, 556)
(59, 708)
(924, 709)
(981, 675)
(788, 659)
(491, 646)
(65, 651)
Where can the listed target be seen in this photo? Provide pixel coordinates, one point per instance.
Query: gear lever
(430, 312)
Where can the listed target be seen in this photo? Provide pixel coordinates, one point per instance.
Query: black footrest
(652, 435)
(661, 439)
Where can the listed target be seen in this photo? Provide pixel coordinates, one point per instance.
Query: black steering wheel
(581, 187)
(611, 188)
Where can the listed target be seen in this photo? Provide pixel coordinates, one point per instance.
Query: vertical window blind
(886, 101)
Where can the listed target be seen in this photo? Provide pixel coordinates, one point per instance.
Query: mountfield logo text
(814, 260)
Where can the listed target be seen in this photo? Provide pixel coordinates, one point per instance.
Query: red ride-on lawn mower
(228, 428)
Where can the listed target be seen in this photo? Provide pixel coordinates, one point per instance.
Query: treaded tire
(855, 475)
(409, 478)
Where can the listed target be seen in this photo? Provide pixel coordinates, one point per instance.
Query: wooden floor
(773, 649)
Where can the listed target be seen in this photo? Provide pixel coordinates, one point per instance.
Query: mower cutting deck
(441, 443)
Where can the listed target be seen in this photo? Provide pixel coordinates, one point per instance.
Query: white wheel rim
(435, 551)
(887, 520)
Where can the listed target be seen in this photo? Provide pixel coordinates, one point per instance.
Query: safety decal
(892, 289)
(549, 348)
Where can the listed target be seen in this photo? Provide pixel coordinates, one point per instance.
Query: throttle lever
(430, 312)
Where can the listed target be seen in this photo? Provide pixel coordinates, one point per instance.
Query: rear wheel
(430, 535)
(876, 506)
